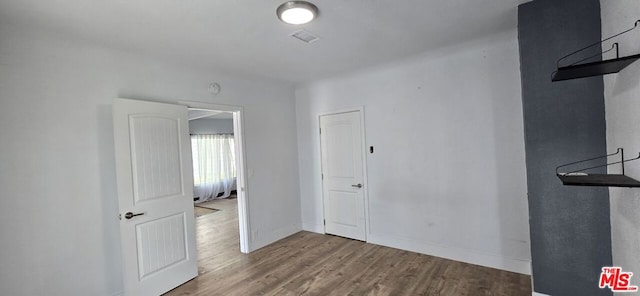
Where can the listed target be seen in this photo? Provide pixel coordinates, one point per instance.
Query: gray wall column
(564, 122)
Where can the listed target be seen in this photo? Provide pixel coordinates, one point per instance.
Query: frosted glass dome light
(297, 12)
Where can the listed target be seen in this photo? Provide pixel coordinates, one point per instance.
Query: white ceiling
(245, 36)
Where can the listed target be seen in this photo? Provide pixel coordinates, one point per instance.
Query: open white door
(343, 174)
(155, 194)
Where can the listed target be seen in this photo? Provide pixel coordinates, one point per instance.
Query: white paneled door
(155, 194)
(343, 174)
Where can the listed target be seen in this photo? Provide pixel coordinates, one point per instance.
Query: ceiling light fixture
(297, 12)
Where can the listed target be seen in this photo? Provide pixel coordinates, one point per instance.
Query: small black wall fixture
(581, 70)
(580, 178)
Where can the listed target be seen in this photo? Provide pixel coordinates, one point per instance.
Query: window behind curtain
(213, 158)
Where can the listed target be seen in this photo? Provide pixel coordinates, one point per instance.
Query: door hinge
(325, 222)
(321, 131)
(322, 176)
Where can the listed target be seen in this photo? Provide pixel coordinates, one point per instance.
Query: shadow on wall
(109, 195)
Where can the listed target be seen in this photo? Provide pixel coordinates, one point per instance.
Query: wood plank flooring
(314, 264)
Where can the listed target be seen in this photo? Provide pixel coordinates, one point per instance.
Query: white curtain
(214, 166)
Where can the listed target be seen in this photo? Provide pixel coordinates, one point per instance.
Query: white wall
(448, 174)
(211, 126)
(58, 207)
(622, 102)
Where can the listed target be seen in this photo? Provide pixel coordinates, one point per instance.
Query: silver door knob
(357, 185)
(130, 215)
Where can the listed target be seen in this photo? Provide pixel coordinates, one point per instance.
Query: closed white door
(342, 174)
(155, 195)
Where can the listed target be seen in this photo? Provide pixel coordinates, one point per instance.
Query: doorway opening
(220, 197)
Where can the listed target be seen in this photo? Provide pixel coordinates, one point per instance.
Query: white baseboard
(453, 253)
(538, 294)
(273, 236)
(317, 228)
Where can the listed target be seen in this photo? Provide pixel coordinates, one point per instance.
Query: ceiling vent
(304, 36)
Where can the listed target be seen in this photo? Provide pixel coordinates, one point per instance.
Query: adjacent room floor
(315, 264)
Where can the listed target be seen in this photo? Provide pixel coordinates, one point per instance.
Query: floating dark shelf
(599, 180)
(580, 178)
(594, 68)
(581, 69)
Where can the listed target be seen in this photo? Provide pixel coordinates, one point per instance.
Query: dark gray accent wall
(564, 122)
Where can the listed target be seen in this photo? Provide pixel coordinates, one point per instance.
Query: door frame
(241, 166)
(365, 178)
